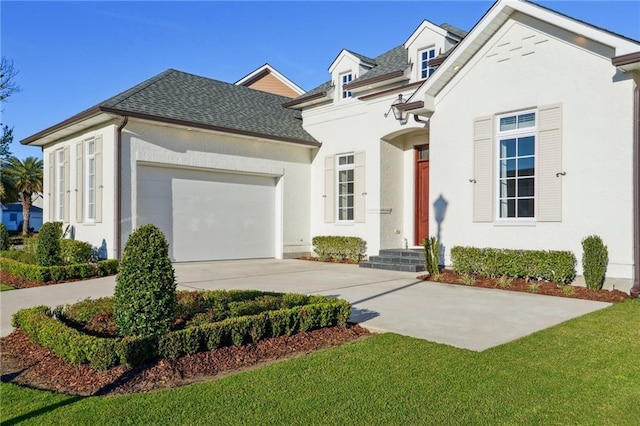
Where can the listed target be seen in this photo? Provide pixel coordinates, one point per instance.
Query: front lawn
(585, 371)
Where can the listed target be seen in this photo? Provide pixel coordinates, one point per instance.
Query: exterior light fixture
(398, 114)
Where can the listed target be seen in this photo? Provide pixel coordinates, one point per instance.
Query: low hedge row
(340, 248)
(555, 266)
(45, 274)
(102, 353)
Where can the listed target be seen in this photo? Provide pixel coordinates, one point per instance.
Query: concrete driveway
(465, 317)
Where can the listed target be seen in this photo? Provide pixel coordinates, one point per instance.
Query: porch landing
(406, 260)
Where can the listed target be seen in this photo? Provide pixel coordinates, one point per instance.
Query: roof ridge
(141, 86)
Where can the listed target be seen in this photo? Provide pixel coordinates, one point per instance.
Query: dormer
(345, 68)
(426, 43)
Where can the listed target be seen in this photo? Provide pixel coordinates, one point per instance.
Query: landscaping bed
(529, 286)
(28, 364)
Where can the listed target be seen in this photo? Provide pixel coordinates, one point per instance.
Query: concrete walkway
(465, 317)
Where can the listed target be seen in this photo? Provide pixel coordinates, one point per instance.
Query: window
(425, 56)
(345, 79)
(345, 169)
(516, 139)
(60, 185)
(13, 217)
(90, 180)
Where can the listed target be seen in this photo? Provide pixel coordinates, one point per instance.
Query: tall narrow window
(425, 56)
(345, 169)
(60, 185)
(91, 180)
(516, 163)
(345, 79)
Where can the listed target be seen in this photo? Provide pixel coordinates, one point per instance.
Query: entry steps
(406, 260)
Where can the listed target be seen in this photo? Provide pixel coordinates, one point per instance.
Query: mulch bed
(546, 288)
(19, 282)
(27, 364)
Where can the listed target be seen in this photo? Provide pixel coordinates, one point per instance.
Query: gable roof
(17, 208)
(185, 99)
(264, 70)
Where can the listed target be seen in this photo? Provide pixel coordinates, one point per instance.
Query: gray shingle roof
(186, 97)
(362, 57)
(454, 30)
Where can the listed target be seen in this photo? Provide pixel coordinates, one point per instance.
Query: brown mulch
(27, 364)
(546, 288)
(19, 282)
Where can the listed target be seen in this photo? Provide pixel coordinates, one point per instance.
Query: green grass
(585, 371)
(5, 287)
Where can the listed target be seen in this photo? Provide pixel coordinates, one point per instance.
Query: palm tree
(27, 178)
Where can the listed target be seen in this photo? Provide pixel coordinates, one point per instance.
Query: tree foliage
(26, 177)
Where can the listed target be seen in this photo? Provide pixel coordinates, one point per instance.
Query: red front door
(422, 193)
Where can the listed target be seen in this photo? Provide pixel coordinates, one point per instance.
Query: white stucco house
(522, 133)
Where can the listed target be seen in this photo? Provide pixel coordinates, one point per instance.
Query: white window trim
(339, 168)
(60, 192)
(533, 131)
(419, 67)
(345, 94)
(87, 158)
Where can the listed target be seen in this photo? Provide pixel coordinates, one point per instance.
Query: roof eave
(66, 124)
(375, 81)
(627, 63)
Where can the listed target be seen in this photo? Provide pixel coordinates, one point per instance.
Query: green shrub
(215, 335)
(239, 328)
(289, 300)
(5, 241)
(278, 322)
(432, 256)
(25, 270)
(595, 257)
(352, 249)
(107, 267)
(82, 311)
(48, 249)
(555, 266)
(145, 295)
(135, 350)
(30, 244)
(178, 343)
(20, 256)
(74, 251)
(258, 327)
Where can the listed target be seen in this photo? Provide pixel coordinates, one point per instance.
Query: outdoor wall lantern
(399, 115)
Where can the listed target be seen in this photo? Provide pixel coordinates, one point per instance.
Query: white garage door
(209, 215)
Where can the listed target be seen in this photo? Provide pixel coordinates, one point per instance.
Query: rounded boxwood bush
(48, 252)
(144, 302)
(4, 238)
(74, 251)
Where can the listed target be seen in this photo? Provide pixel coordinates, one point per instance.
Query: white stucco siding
(525, 65)
(361, 126)
(147, 144)
(98, 234)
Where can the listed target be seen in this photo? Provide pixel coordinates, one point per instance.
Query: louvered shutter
(67, 183)
(52, 187)
(79, 182)
(98, 179)
(483, 169)
(549, 202)
(329, 189)
(360, 188)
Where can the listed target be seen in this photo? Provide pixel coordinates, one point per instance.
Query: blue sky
(72, 55)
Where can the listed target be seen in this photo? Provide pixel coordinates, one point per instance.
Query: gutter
(635, 289)
(118, 209)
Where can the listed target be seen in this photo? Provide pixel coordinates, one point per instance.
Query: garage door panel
(209, 215)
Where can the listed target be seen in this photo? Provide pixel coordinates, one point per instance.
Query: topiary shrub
(5, 242)
(432, 256)
(595, 257)
(48, 251)
(337, 248)
(144, 302)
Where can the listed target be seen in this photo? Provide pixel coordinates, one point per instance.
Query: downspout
(118, 236)
(635, 289)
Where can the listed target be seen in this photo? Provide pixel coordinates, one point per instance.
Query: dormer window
(425, 56)
(345, 79)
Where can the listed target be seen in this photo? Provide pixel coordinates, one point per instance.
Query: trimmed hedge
(555, 266)
(102, 353)
(339, 248)
(20, 256)
(75, 251)
(46, 274)
(48, 250)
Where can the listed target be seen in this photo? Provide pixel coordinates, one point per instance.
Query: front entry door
(422, 193)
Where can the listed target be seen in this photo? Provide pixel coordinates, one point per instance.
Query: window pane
(345, 159)
(526, 120)
(526, 166)
(90, 148)
(507, 148)
(432, 53)
(525, 208)
(507, 123)
(507, 168)
(526, 146)
(508, 208)
(525, 187)
(507, 188)
(424, 55)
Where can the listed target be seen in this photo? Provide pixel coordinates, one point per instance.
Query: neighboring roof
(253, 76)
(186, 99)
(17, 208)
